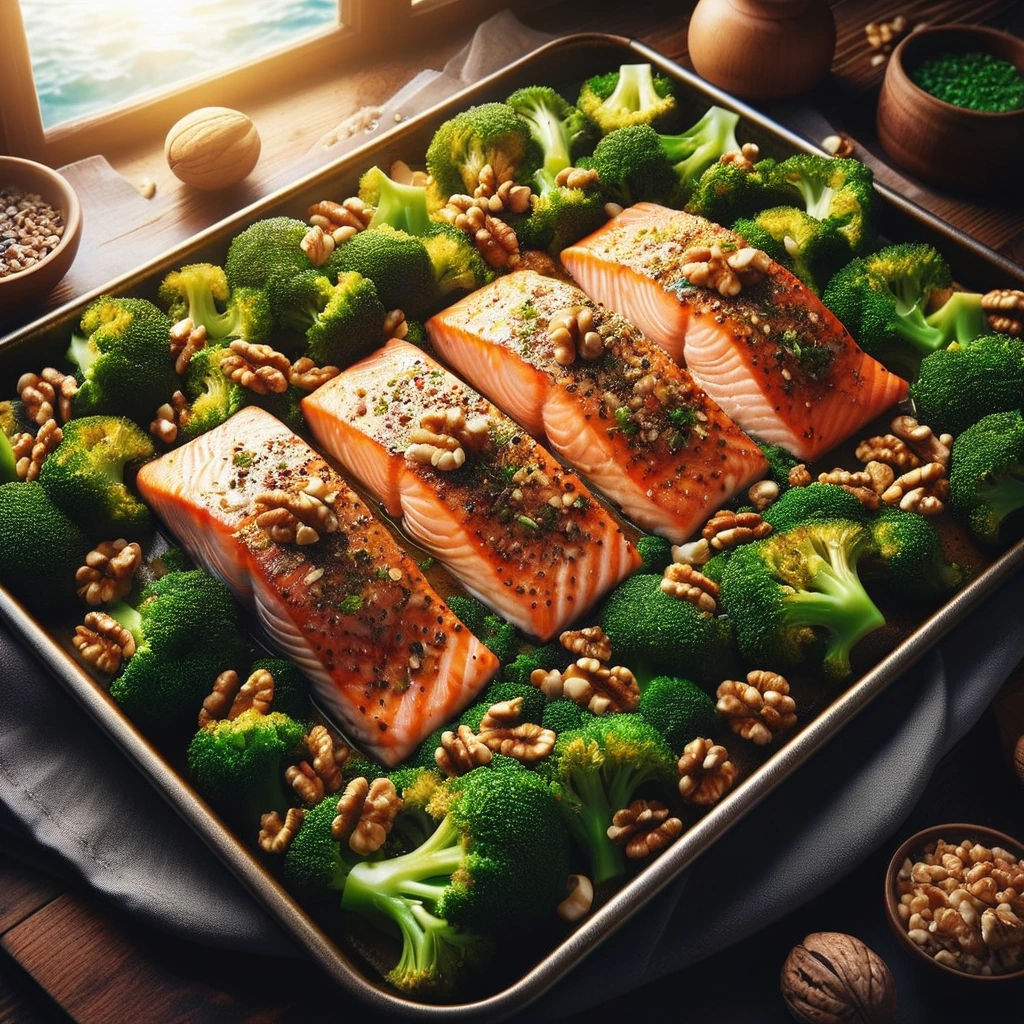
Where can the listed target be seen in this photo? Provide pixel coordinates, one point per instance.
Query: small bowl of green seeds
(951, 110)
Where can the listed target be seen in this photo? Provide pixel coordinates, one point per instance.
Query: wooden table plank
(22, 892)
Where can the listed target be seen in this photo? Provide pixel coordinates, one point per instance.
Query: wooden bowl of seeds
(40, 228)
(954, 897)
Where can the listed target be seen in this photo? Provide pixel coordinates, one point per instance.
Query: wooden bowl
(914, 849)
(21, 289)
(945, 145)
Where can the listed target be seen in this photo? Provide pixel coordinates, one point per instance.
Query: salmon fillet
(773, 357)
(524, 535)
(388, 660)
(631, 421)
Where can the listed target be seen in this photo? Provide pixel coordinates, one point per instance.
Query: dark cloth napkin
(72, 802)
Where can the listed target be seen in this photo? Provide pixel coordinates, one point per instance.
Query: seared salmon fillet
(629, 420)
(523, 534)
(773, 357)
(388, 659)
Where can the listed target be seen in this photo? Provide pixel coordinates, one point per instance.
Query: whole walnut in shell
(832, 978)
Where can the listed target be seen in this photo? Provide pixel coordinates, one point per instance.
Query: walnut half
(832, 978)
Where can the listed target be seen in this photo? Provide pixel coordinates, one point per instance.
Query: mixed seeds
(30, 229)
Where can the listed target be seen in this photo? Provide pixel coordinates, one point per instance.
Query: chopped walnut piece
(341, 220)
(218, 702)
(705, 772)
(762, 494)
(320, 744)
(888, 449)
(685, 583)
(727, 529)
(308, 786)
(366, 812)
(305, 374)
(103, 642)
(759, 708)
(395, 324)
(503, 733)
(727, 273)
(31, 452)
(590, 684)
(923, 490)
(1005, 309)
(296, 517)
(840, 146)
(799, 476)
(577, 904)
(277, 835)
(37, 396)
(318, 245)
(401, 172)
(697, 552)
(443, 439)
(645, 827)
(171, 417)
(577, 177)
(922, 440)
(859, 484)
(589, 642)
(257, 367)
(461, 752)
(186, 340)
(108, 571)
(744, 158)
(572, 332)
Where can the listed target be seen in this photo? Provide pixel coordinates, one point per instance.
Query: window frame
(365, 29)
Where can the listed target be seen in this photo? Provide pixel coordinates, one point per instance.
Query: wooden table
(66, 953)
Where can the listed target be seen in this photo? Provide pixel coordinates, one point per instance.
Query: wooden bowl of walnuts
(954, 897)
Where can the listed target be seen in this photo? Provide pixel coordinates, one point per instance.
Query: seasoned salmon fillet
(388, 660)
(630, 420)
(523, 534)
(773, 357)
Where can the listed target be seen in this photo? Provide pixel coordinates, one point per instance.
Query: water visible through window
(89, 55)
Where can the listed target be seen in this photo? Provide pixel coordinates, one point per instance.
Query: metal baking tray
(824, 709)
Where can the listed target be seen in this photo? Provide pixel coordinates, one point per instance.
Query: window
(293, 41)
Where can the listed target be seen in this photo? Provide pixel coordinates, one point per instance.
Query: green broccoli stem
(817, 198)
(402, 207)
(634, 89)
(8, 464)
(960, 318)
(423, 874)
(589, 823)
(81, 353)
(128, 617)
(549, 131)
(837, 603)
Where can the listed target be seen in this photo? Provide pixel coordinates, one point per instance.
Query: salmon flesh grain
(387, 658)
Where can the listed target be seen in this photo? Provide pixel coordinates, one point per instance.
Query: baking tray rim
(243, 863)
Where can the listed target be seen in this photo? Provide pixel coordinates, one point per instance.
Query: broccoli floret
(654, 634)
(84, 475)
(291, 687)
(316, 864)
(340, 321)
(779, 590)
(832, 189)
(416, 334)
(213, 396)
(187, 629)
(693, 151)
(910, 559)
(195, 290)
(457, 262)
(547, 657)
(562, 131)
(269, 252)
(780, 462)
(238, 764)
(815, 503)
(881, 300)
(124, 359)
(492, 133)
(678, 709)
(725, 191)
(497, 860)
(813, 249)
(655, 551)
(633, 167)
(598, 768)
(563, 714)
(41, 548)
(633, 95)
(986, 477)
(957, 386)
(559, 217)
(285, 406)
(500, 636)
(397, 263)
